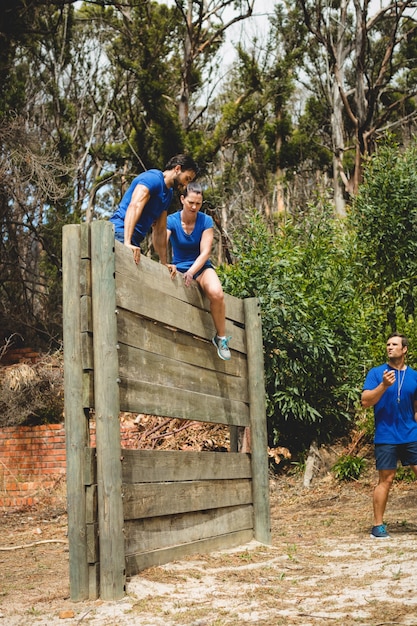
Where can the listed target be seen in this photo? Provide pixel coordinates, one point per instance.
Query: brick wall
(32, 461)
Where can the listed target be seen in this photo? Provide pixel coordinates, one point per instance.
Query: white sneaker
(222, 345)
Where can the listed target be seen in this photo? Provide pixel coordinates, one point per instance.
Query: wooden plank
(88, 389)
(90, 468)
(172, 465)
(140, 332)
(154, 399)
(161, 307)
(85, 241)
(147, 367)
(259, 436)
(138, 562)
(155, 276)
(91, 505)
(76, 430)
(155, 499)
(87, 358)
(109, 471)
(85, 277)
(86, 314)
(92, 543)
(94, 581)
(161, 532)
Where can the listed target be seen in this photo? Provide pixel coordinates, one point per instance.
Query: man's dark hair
(184, 161)
(404, 340)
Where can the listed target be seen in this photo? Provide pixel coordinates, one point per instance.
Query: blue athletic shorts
(387, 455)
(205, 267)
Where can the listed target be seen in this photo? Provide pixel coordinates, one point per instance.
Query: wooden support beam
(259, 437)
(106, 394)
(76, 425)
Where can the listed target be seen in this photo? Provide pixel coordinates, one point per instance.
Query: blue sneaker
(380, 532)
(222, 345)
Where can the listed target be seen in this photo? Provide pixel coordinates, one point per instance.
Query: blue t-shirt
(186, 248)
(161, 198)
(394, 421)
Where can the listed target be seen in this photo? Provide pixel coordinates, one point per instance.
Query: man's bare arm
(371, 396)
(139, 199)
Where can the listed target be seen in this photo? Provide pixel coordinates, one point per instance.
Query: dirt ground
(322, 568)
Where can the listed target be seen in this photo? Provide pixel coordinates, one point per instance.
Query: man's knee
(386, 477)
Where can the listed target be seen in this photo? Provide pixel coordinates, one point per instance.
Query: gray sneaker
(222, 346)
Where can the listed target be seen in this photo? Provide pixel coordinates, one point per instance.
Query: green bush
(312, 322)
(405, 474)
(348, 467)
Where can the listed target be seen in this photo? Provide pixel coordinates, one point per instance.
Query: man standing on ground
(391, 389)
(146, 203)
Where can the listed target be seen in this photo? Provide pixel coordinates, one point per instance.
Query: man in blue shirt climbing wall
(146, 202)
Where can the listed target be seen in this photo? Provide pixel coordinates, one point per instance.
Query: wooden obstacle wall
(137, 341)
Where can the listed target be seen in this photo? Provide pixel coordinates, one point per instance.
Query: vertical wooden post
(76, 425)
(259, 437)
(106, 394)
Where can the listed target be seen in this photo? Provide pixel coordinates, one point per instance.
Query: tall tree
(368, 75)
(384, 215)
(205, 23)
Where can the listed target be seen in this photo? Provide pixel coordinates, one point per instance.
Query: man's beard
(178, 186)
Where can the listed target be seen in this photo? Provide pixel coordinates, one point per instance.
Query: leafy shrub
(312, 323)
(348, 467)
(405, 474)
(384, 216)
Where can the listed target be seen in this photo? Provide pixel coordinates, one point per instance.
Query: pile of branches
(160, 433)
(32, 394)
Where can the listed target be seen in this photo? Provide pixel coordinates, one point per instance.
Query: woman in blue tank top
(191, 235)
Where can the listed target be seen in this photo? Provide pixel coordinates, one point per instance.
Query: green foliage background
(329, 299)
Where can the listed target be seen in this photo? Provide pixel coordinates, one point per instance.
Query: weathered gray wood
(234, 438)
(85, 277)
(92, 543)
(109, 471)
(75, 422)
(259, 436)
(154, 499)
(134, 296)
(88, 389)
(147, 367)
(94, 581)
(153, 276)
(90, 469)
(153, 399)
(157, 358)
(149, 466)
(161, 532)
(86, 314)
(138, 332)
(85, 252)
(87, 358)
(137, 563)
(91, 504)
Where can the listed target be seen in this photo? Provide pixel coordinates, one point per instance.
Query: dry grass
(322, 568)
